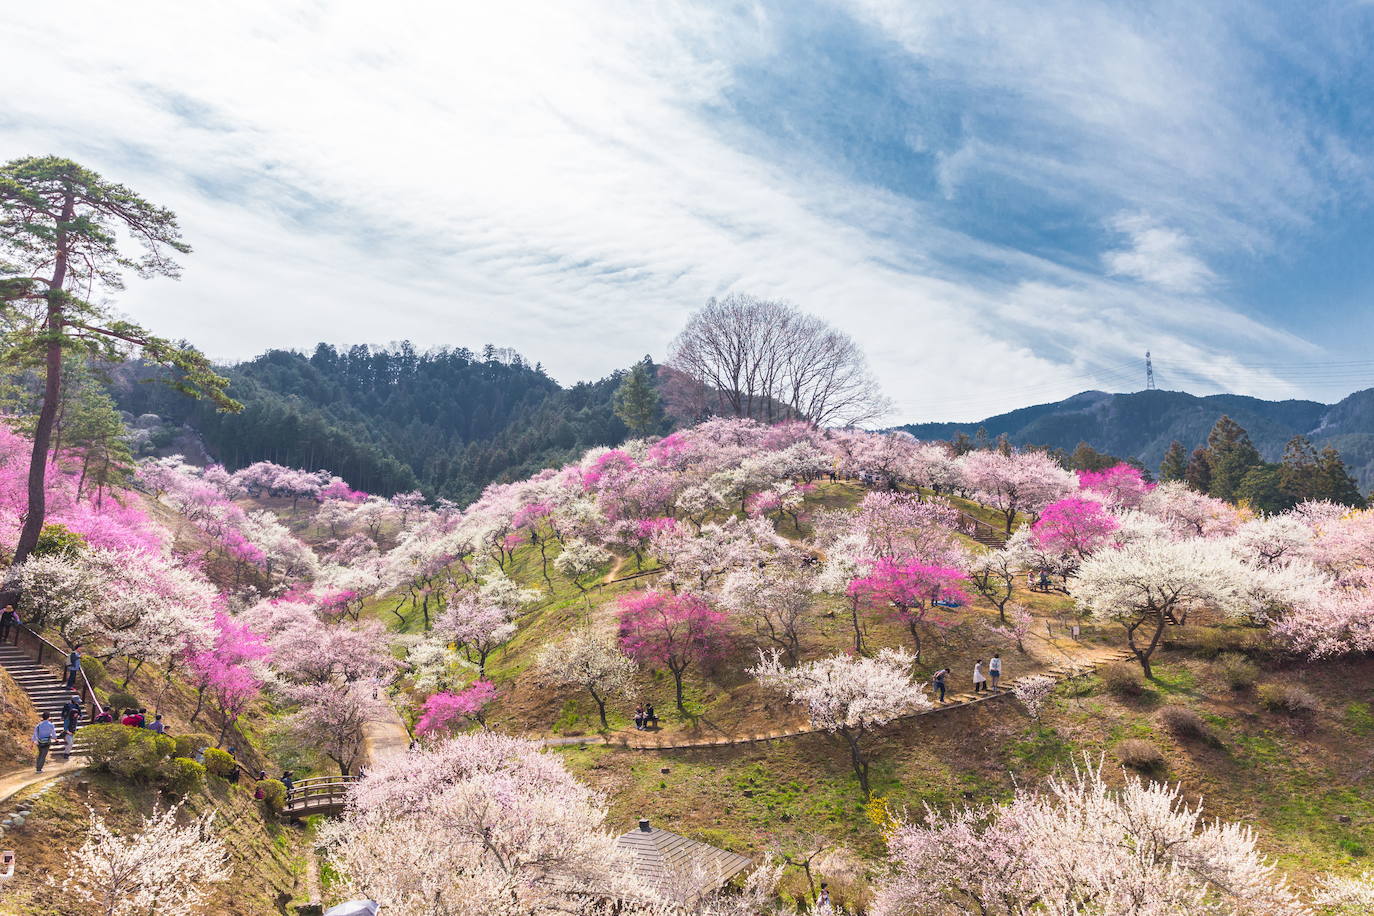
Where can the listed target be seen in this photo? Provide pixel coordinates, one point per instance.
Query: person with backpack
(73, 666)
(43, 734)
(939, 682)
(995, 670)
(980, 682)
(71, 721)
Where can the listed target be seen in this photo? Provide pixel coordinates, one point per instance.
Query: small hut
(669, 863)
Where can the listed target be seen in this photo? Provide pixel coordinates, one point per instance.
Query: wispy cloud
(944, 180)
(1157, 255)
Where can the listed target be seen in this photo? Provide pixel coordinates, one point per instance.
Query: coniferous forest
(391, 419)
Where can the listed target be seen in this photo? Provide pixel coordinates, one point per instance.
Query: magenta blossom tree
(909, 587)
(1074, 527)
(672, 630)
(445, 713)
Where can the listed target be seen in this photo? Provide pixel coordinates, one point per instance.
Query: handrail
(88, 692)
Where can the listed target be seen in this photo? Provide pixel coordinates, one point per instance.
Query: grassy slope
(266, 856)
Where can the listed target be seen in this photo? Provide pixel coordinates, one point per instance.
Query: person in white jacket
(980, 681)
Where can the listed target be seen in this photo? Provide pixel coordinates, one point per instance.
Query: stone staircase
(44, 689)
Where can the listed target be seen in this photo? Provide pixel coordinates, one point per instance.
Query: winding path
(1074, 667)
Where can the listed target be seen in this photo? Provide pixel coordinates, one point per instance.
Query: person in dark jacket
(71, 721)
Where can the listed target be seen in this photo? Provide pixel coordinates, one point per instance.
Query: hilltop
(1142, 424)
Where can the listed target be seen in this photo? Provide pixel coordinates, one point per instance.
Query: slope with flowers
(716, 572)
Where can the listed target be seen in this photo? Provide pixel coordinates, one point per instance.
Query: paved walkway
(1079, 665)
(385, 736)
(13, 781)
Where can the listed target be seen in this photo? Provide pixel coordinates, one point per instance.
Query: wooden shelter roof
(669, 861)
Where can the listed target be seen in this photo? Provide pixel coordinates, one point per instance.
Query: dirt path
(1074, 666)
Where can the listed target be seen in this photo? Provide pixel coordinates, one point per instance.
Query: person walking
(43, 734)
(995, 671)
(823, 899)
(71, 721)
(939, 682)
(289, 781)
(73, 666)
(980, 682)
(8, 621)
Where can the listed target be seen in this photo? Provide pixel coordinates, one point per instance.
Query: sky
(1004, 203)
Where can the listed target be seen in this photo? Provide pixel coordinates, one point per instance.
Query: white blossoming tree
(848, 696)
(592, 660)
(163, 868)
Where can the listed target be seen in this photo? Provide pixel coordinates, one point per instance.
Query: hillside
(390, 420)
(831, 548)
(1141, 424)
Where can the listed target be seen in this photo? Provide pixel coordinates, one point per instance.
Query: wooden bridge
(318, 795)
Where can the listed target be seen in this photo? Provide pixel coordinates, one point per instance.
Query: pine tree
(1298, 472)
(1334, 481)
(1198, 473)
(61, 231)
(1175, 463)
(1230, 456)
(636, 400)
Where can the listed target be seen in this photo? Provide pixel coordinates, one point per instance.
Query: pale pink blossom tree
(1082, 846)
(592, 660)
(1016, 483)
(499, 827)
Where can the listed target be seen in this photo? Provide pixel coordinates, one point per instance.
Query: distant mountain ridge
(1143, 423)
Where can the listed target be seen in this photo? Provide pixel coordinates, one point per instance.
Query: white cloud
(542, 176)
(1157, 255)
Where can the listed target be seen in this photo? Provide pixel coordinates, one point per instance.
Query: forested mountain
(391, 419)
(1143, 424)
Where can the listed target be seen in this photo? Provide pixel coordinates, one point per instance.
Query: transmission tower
(1149, 373)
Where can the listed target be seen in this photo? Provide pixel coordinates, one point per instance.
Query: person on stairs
(995, 671)
(980, 681)
(939, 681)
(42, 739)
(71, 721)
(73, 666)
(8, 621)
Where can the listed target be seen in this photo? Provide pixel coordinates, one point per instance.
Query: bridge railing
(318, 791)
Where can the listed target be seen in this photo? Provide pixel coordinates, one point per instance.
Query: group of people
(991, 681)
(645, 717)
(71, 714)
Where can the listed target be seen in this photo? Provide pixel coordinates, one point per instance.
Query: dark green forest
(392, 419)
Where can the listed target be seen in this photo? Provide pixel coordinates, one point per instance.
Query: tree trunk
(600, 706)
(677, 684)
(857, 758)
(1143, 654)
(858, 630)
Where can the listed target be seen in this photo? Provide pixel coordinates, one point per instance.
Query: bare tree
(770, 361)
